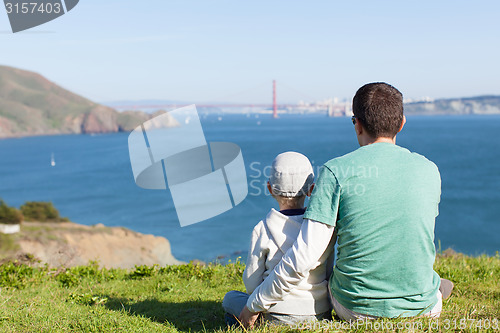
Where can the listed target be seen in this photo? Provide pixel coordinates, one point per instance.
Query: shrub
(9, 215)
(41, 211)
(70, 277)
(17, 275)
(143, 271)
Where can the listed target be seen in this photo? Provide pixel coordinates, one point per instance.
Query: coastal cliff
(70, 244)
(31, 105)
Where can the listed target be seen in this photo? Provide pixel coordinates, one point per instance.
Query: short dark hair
(379, 108)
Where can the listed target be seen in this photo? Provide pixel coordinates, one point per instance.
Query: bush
(9, 215)
(143, 271)
(17, 275)
(41, 211)
(73, 276)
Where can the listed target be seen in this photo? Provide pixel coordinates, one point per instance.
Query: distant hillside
(470, 105)
(32, 105)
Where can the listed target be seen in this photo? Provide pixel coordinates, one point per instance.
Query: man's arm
(313, 240)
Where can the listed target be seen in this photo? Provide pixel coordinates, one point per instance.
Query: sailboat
(52, 160)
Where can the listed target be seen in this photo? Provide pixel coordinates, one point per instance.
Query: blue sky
(202, 51)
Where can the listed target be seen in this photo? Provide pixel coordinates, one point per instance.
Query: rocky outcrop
(70, 244)
(100, 120)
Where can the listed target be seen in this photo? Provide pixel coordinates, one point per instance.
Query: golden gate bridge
(332, 109)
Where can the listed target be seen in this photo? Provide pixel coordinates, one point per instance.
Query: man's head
(291, 179)
(379, 108)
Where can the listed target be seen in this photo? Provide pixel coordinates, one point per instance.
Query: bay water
(92, 182)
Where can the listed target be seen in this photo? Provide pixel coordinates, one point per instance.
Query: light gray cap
(291, 175)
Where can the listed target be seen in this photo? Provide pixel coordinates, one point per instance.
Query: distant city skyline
(227, 51)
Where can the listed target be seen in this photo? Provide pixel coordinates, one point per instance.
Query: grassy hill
(32, 105)
(187, 298)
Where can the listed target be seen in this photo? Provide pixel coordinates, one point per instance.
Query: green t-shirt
(383, 201)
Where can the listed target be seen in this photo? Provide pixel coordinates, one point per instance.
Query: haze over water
(92, 180)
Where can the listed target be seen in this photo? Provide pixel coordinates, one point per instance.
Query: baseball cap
(291, 175)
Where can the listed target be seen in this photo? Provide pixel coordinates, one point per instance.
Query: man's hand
(248, 318)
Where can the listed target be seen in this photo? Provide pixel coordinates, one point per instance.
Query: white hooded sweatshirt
(271, 239)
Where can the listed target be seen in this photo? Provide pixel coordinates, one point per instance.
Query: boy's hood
(283, 229)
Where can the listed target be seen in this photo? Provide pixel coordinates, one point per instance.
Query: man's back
(387, 201)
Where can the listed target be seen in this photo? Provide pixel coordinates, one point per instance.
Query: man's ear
(358, 128)
(311, 188)
(402, 124)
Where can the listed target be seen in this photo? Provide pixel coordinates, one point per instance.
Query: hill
(30, 104)
(456, 106)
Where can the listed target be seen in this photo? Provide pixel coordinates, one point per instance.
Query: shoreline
(121, 131)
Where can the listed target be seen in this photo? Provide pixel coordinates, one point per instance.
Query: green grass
(187, 298)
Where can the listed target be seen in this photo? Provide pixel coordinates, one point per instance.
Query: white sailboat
(52, 160)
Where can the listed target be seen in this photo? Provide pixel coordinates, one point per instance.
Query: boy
(291, 180)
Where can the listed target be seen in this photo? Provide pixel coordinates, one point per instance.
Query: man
(381, 200)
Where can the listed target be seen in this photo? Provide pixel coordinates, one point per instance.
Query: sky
(230, 51)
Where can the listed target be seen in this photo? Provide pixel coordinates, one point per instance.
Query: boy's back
(271, 238)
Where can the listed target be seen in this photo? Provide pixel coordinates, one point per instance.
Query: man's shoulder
(357, 154)
(422, 162)
(420, 157)
(343, 164)
(380, 154)
(347, 158)
(382, 149)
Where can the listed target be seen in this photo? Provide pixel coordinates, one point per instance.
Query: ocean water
(92, 180)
